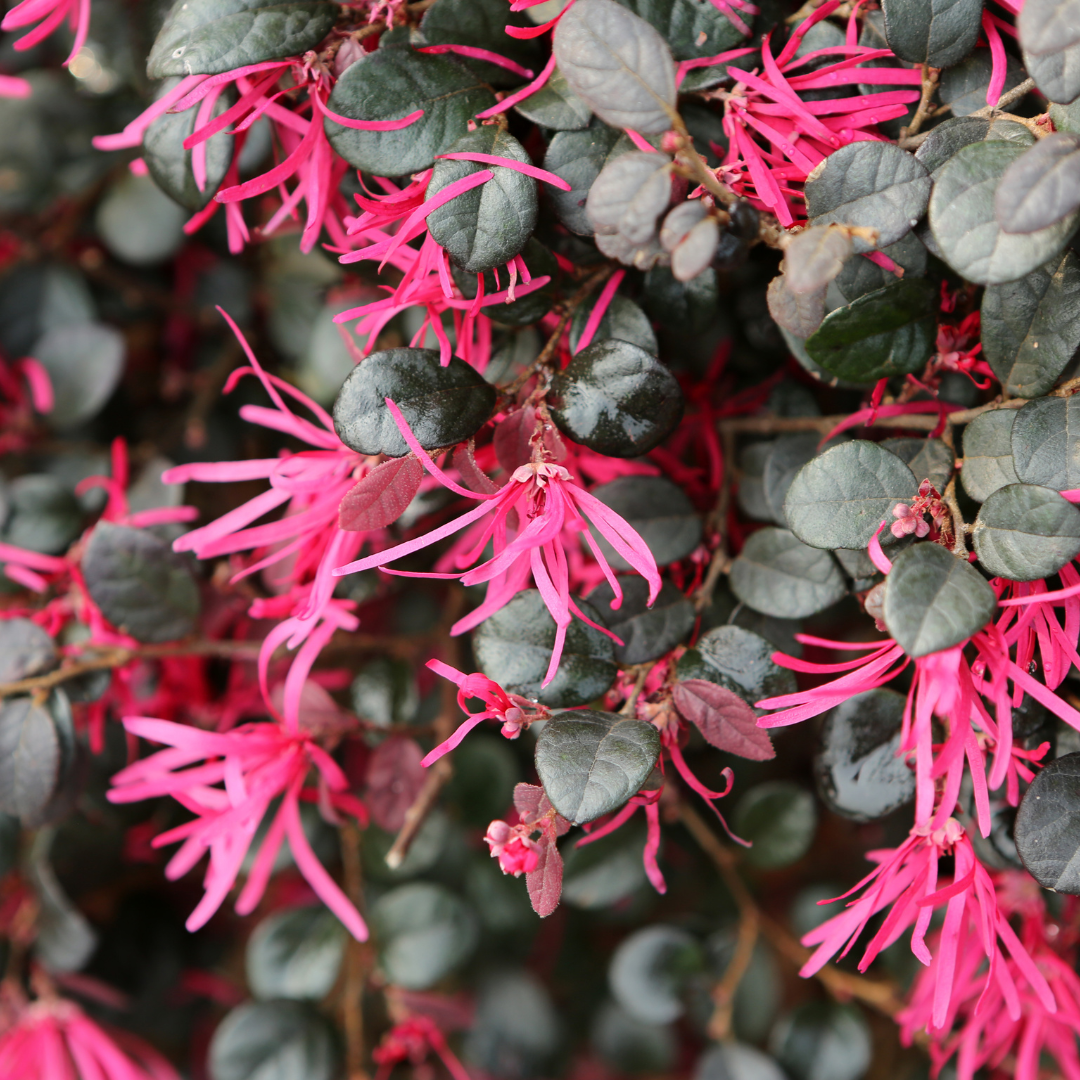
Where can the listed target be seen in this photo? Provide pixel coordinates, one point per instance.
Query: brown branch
(357, 959)
(877, 993)
(960, 527)
(930, 77)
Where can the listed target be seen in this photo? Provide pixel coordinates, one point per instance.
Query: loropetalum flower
(513, 846)
(988, 1022)
(53, 1039)
(910, 519)
(49, 16)
(412, 1040)
(776, 139)
(514, 712)
(25, 389)
(254, 764)
(545, 500)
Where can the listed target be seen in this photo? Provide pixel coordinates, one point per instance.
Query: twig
(1015, 94)
(960, 528)
(357, 958)
(639, 684)
(879, 994)
(930, 77)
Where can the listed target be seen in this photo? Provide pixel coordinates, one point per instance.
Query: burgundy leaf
(545, 882)
(531, 803)
(395, 777)
(725, 720)
(381, 497)
(513, 440)
(475, 478)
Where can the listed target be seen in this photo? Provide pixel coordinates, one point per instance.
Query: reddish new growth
(911, 519)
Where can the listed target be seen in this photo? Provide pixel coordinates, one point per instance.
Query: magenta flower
(49, 14)
(515, 713)
(906, 881)
(25, 389)
(987, 1022)
(545, 500)
(512, 845)
(11, 86)
(53, 1039)
(229, 781)
(776, 139)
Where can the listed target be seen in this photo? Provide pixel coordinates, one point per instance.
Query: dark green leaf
(822, 1039)
(590, 763)
(84, 362)
(779, 819)
(30, 756)
(525, 310)
(1047, 830)
(577, 157)
(485, 772)
(488, 225)
(295, 954)
(935, 32)
(1041, 186)
(647, 633)
(1024, 533)
(1046, 443)
(1051, 47)
(514, 645)
(170, 164)
(860, 276)
(839, 499)
(25, 650)
(872, 184)
(1065, 117)
(616, 399)
(779, 575)
(928, 459)
(683, 307)
(738, 660)
(556, 106)
(751, 494)
(859, 771)
(482, 24)
(424, 931)
(934, 600)
(265, 1040)
(650, 970)
(618, 64)
(887, 332)
(605, 872)
(631, 192)
(45, 516)
(1031, 327)
(964, 86)
(723, 718)
(64, 940)
(660, 513)
(734, 1061)
(208, 37)
(945, 140)
(517, 1030)
(631, 1047)
(988, 460)
(391, 83)
(623, 319)
(963, 223)
(384, 692)
(442, 405)
(142, 586)
(691, 29)
(789, 454)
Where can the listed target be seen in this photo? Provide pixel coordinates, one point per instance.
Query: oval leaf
(779, 820)
(1046, 443)
(1051, 47)
(658, 511)
(1024, 533)
(1047, 830)
(295, 954)
(935, 32)
(590, 763)
(723, 718)
(988, 459)
(779, 575)
(738, 660)
(382, 496)
(1041, 186)
(933, 600)
(29, 758)
(273, 1038)
(647, 633)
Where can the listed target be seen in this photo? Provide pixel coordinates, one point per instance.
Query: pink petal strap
(510, 163)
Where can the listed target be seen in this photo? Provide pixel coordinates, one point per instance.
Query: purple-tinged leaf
(394, 779)
(545, 882)
(723, 718)
(382, 496)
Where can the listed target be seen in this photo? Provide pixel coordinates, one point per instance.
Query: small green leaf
(25, 650)
(442, 405)
(860, 276)
(964, 86)
(935, 32)
(1047, 830)
(738, 660)
(735, 1061)
(424, 932)
(45, 516)
(1024, 533)
(590, 763)
(966, 230)
(692, 29)
(779, 820)
(209, 37)
(623, 319)
(887, 332)
(1041, 186)
(482, 24)
(950, 136)
(1051, 47)
(777, 574)
(514, 645)
(618, 64)
(265, 1039)
(295, 954)
(839, 499)
(658, 511)
(647, 633)
(786, 459)
(392, 83)
(822, 1039)
(488, 225)
(525, 310)
(1031, 327)
(142, 586)
(1046, 443)
(650, 972)
(578, 157)
(29, 758)
(928, 459)
(860, 773)
(871, 184)
(556, 106)
(988, 459)
(616, 399)
(934, 600)
(84, 362)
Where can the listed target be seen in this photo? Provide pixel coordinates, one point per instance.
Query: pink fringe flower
(256, 764)
(512, 845)
(53, 1039)
(545, 500)
(49, 14)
